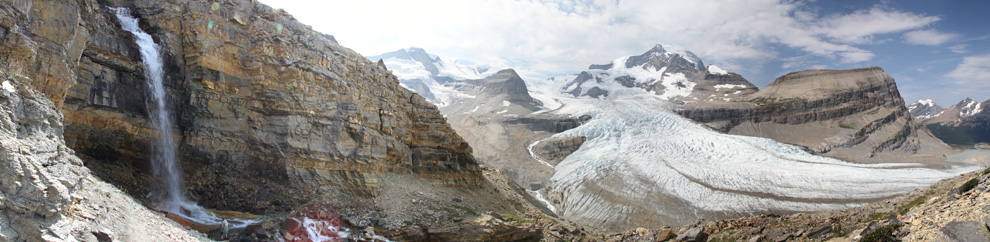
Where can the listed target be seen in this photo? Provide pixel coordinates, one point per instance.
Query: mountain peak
(675, 58)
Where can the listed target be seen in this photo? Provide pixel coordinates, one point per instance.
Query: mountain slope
(965, 123)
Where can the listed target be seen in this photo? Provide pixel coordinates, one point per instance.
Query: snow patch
(505, 103)
(8, 87)
(716, 70)
(972, 108)
(676, 85)
(728, 86)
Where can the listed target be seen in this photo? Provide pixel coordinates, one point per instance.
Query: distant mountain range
(964, 123)
(619, 145)
(428, 74)
(672, 73)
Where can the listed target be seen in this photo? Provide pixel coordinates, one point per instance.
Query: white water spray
(164, 162)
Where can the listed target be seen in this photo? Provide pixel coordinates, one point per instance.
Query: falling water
(164, 163)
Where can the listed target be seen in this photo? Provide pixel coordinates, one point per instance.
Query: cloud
(860, 26)
(973, 72)
(928, 37)
(562, 36)
(959, 49)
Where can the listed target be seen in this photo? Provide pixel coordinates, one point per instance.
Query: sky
(936, 50)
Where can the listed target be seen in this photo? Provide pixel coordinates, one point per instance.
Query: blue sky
(934, 49)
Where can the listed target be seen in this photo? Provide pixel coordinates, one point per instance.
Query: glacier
(644, 165)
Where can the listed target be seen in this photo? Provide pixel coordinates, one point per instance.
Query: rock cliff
(266, 106)
(848, 114)
(46, 194)
(269, 113)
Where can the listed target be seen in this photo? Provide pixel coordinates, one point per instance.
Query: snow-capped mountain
(671, 72)
(924, 109)
(959, 112)
(965, 123)
(429, 75)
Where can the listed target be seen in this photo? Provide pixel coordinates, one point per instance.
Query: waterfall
(164, 162)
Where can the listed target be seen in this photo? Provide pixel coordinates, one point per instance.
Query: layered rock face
(46, 194)
(848, 114)
(265, 106)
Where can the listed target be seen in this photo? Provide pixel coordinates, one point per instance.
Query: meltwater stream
(164, 163)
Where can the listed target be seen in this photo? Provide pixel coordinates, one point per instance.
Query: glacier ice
(638, 151)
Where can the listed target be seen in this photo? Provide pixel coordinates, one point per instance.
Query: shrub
(969, 185)
(882, 234)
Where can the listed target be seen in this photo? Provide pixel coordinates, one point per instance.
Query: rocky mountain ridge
(675, 74)
(853, 115)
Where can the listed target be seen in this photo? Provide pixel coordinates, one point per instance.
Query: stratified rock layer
(848, 114)
(269, 112)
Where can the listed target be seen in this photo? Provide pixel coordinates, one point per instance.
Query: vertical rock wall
(269, 111)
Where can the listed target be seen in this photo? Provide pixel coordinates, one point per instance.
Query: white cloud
(959, 49)
(860, 26)
(973, 72)
(928, 37)
(544, 37)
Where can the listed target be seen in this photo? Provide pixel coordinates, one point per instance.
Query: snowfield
(638, 151)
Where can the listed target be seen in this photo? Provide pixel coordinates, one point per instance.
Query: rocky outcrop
(848, 114)
(509, 83)
(46, 194)
(269, 113)
(548, 122)
(554, 150)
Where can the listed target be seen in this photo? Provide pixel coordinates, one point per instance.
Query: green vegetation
(513, 218)
(882, 234)
(961, 135)
(466, 209)
(985, 171)
(879, 216)
(917, 201)
(845, 126)
(969, 185)
(722, 239)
